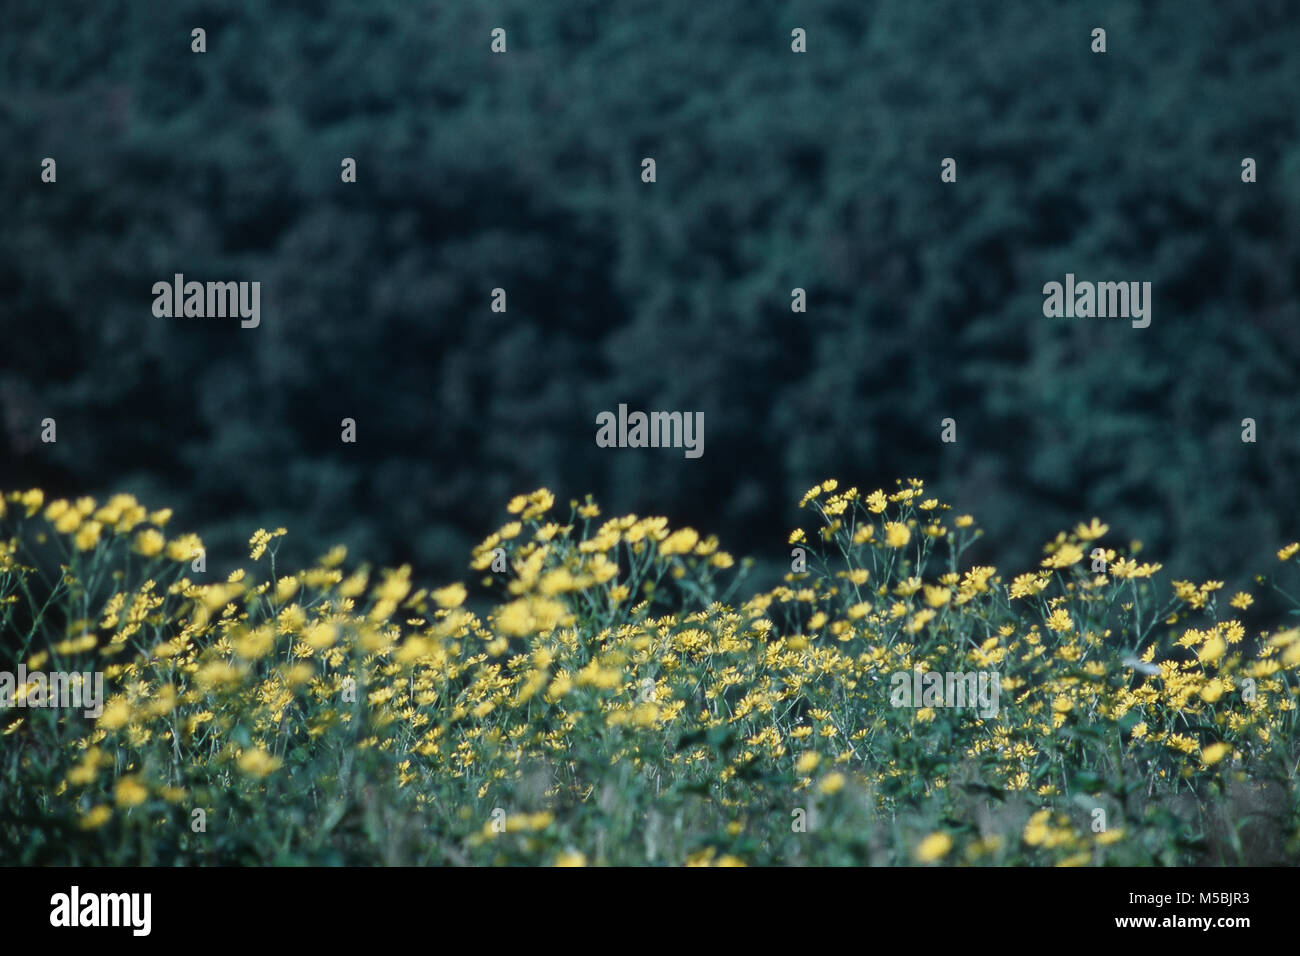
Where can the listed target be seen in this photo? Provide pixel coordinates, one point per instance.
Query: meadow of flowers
(615, 696)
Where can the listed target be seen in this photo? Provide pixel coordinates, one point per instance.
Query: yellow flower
(807, 762)
(934, 847)
(396, 584)
(453, 595)
(535, 821)
(559, 581)
(570, 858)
(515, 619)
(1212, 650)
(130, 792)
(831, 783)
(150, 543)
(258, 542)
(1090, 532)
(320, 636)
(1127, 568)
(116, 714)
(286, 588)
(185, 548)
(335, 557)
(1241, 600)
(85, 771)
(897, 535)
(254, 645)
(68, 519)
(75, 645)
(919, 621)
(963, 521)
(258, 763)
(1066, 555)
(1283, 555)
(909, 587)
(530, 506)
(1037, 830)
(679, 542)
(88, 536)
(1214, 753)
(1060, 620)
(213, 676)
(32, 501)
(708, 546)
(96, 817)
(1285, 638)
(354, 584)
(562, 684)
(810, 494)
(937, 596)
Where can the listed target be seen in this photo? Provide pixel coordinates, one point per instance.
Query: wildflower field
(605, 691)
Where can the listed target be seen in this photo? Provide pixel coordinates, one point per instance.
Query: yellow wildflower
(130, 792)
(934, 847)
(897, 535)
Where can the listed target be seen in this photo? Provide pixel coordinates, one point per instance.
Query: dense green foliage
(775, 171)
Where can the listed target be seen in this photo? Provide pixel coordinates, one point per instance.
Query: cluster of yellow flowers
(610, 662)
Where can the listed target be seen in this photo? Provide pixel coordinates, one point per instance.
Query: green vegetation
(625, 702)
